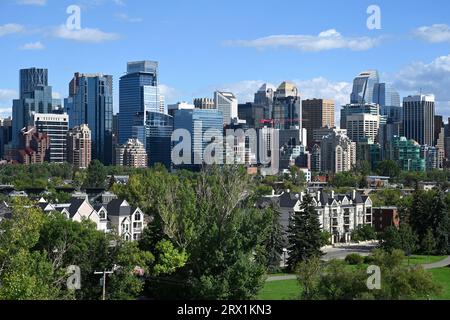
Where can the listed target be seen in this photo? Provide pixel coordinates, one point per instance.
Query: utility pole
(104, 273)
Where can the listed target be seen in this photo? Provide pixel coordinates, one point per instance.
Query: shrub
(354, 259)
(369, 260)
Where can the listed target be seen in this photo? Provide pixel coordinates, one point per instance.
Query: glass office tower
(91, 102)
(158, 130)
(389, 100)
(197, 122)
(138, 95)
(363, 87)
(35, 97)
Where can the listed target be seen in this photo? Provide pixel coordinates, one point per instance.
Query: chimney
(318, 195)
(273, 192)
(332, 194)
(353, 194)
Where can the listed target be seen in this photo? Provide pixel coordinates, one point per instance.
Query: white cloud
(8, 94)
(171, 95)
(33, 2)
(326, 40)
(84, 34)
(6, 97)
(433, 77)
(243, 90)
(11, 28)
(33, 46)
(127, 18)
(56, 95)
(436, 33)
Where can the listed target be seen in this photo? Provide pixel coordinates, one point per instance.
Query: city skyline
(195, 60)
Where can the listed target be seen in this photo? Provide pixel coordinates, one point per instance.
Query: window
(137, 225)
(102, 215)
(137, 217)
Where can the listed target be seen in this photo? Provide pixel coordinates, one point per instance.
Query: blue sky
(203, 45)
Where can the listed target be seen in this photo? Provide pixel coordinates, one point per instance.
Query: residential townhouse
(339, 214)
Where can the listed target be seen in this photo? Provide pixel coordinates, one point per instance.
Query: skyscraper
(91, 102)
(337, 153)
(79, 146)
(197, 122)
(316, 114)
(362, 127)
(418, 118)
(204, 103)
(35, 97)
(158, 130)
(287, 107)
(349, 109)
(56, 127)
(264, 98)
(389, 101)
(139, 94)
(5, 134)
(363, 87)
(227, 104)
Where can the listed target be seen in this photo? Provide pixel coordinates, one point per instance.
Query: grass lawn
(442, 276)
(280, 290)
(416, 259)
(290, 289)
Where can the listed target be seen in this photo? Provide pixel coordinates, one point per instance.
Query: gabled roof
(288, 200)
(75, 205)
(119, 207)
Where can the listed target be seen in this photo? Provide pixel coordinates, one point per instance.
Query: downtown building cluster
(374, 126)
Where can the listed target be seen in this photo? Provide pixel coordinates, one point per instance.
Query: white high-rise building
(363, 126)
(227, 103)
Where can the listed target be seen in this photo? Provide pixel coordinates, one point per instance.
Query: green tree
(211, 217)
(428, 245)
(440, 222)
(274, 243)
(390, 239)
(308, 274)
(96, 175)
(364, 233)
(304, 234)
(25, 274)
(388, 168)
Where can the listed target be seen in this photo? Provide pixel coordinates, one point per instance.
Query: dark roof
(43, 205)
(115, 208)
(75, 204)
(288, 200)
(5, 211)
(97, 207)
(266, 202)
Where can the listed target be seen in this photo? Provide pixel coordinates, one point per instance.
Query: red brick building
(384, 217)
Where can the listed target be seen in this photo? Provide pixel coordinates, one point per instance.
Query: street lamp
(284, 257)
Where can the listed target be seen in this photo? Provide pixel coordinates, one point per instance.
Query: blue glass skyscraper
(138, 95)
(158, 130)
(389, 100)
(91, 102)
(197, 122)
(35, 97)
(363, 87)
